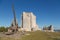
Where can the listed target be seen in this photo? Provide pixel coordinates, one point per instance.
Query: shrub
(3, 29)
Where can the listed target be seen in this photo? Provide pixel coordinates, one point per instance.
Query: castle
(29, 22)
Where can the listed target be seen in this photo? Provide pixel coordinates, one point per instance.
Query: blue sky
(46, 11)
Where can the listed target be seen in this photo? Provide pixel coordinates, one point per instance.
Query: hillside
(37, 35)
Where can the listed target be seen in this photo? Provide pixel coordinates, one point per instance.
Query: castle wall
(29, 21)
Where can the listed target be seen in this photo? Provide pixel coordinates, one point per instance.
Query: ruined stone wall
(26, 21)
(29, 21)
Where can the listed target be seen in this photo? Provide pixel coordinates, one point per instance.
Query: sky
(47, 12)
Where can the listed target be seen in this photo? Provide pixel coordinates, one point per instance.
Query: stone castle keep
(29, 21)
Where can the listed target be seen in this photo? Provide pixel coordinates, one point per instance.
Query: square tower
(29, 21)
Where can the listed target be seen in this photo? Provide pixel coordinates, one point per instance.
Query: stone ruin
(14, 25)
(48, 29)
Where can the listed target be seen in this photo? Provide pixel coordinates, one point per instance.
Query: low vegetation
(3, 29)
(37, 35)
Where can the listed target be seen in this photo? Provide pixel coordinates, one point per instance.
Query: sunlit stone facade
(29, 21)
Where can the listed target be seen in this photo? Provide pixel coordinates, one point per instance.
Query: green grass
(37, 35)
(6, 38)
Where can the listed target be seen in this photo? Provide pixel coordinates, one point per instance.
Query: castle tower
(29, 21)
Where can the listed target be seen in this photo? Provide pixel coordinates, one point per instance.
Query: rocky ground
(16, 35)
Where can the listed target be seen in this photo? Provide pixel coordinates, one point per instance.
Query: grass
(5, 38)
(37, 35)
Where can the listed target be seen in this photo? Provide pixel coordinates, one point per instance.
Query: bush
(3, 29)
